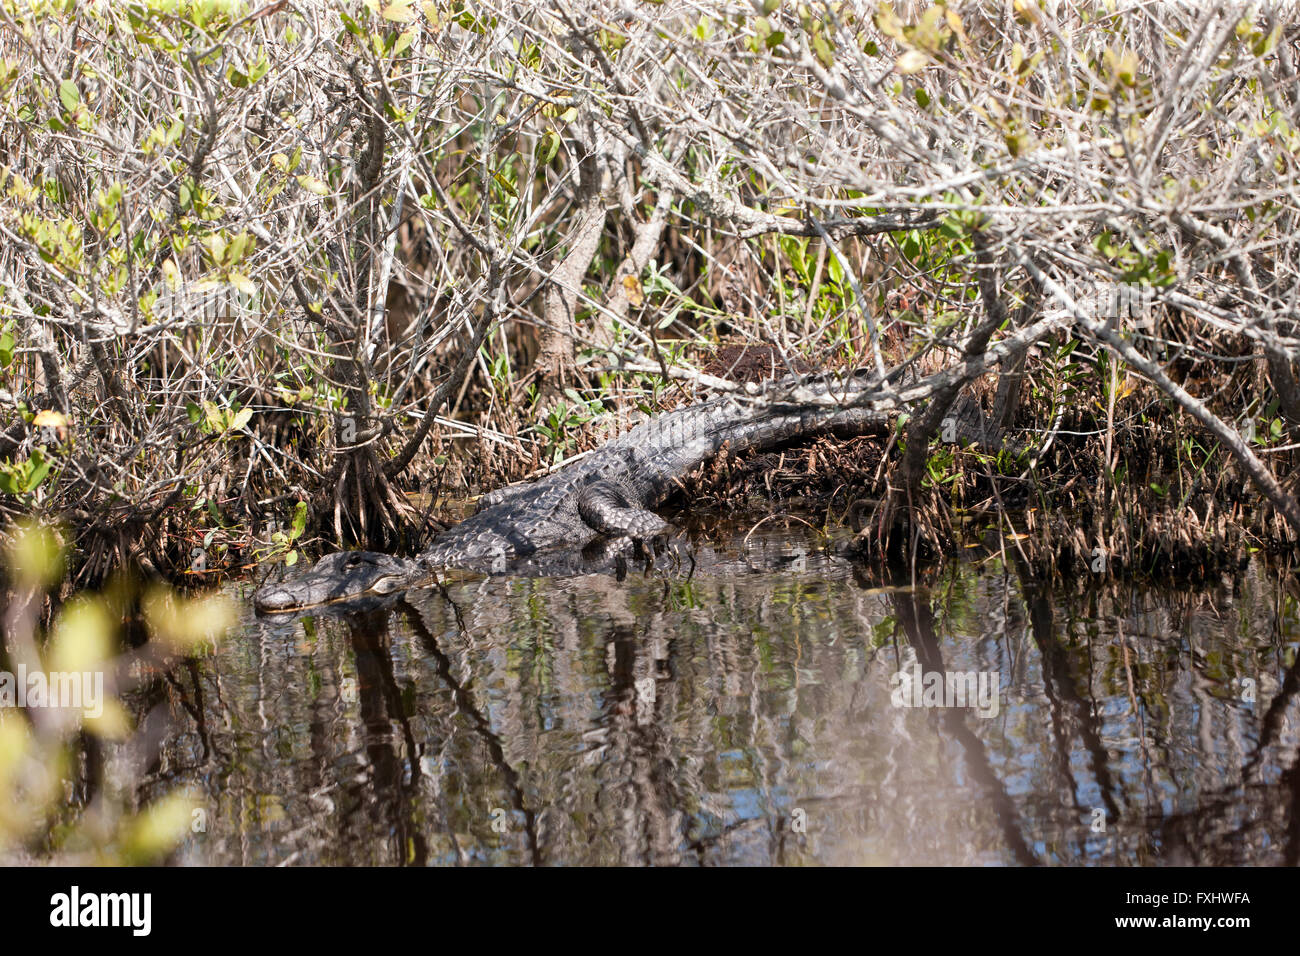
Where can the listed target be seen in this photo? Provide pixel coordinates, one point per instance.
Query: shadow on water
(762, 702)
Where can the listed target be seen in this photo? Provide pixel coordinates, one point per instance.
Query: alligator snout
(275, 598)
(338, 577)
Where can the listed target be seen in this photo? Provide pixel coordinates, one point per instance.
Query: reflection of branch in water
(154, 723)
(1274, 722)
(194, 707)
(765, 770)
(1058, 687)
(1237, 825)
(914, 614)
(636, 734)
(700, 845)
(325, 715)
(465, 702)
(1219, 829)
(380, 702)
(154, 702)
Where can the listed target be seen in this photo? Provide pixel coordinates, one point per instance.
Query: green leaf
(505, 184)
(822, 47)
(242, 282)
(399, 11)
(216, 246)
(549, 146)
(237, 247)
(69, 95)
(313, 185)
(39, 468)
(215, 420)
(952, 227)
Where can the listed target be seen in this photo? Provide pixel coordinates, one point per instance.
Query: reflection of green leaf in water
(882, 632)
(683, 596)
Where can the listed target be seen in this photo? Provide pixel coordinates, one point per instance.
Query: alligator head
(344, 576)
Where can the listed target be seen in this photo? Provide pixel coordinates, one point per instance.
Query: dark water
(745, 713)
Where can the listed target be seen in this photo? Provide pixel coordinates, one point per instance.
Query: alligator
(609, 492)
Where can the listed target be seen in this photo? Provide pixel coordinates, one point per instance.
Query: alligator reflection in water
(723, 717)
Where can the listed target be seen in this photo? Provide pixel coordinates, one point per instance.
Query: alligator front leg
(606, 508)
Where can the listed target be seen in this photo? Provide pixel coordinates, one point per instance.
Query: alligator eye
(353, 559)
